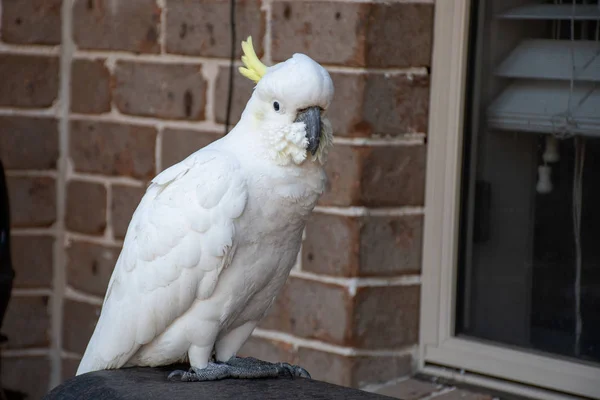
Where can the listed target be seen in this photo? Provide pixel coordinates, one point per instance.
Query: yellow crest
(254, 69)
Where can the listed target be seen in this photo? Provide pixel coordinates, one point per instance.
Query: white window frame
(440, 352)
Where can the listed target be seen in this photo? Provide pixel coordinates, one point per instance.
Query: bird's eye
(276, 106)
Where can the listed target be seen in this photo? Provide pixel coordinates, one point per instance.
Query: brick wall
(97, 96)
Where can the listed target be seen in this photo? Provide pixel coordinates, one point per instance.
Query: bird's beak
(311, 117)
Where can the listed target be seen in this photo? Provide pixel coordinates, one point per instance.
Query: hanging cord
(564, 122)
(577, 211)
(577, 194)
(569, 118)
(231, 63)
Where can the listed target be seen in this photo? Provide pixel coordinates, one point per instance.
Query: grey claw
(302, 373)
(295, 371)
(177, 375)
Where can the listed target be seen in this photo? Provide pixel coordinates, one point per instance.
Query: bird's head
(288, 107)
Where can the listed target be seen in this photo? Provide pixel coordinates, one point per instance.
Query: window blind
(554, 83)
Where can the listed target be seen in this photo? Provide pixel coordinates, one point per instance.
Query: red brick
(394, 176)
(386, 317)
(354, 34)
(396, 104)
(329, 32)
(355, 371)
(377, 104)
(391, 245)
(33, 269)
(332, 245)
(202, 27)
(344, 170)
(327, 367)
(28, 143)
(90, 87)
(362, 246)
(346, 110)
(33, 80)
(86, 207)
(242, 90)
(27, 322)
(377, 176)
(69, 368)
(90, 266)
(28, 374)
(399, 35)
(268, 350)
(31, 22)
(79, 321)
(131, 25)
(125, 200)
(113, 149)
(160, 90)
(177, 144)
(32, 201)
(371, 369)
(375, 318)
(311, 310)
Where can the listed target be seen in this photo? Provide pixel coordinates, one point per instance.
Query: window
(511, 291)
(530, 264)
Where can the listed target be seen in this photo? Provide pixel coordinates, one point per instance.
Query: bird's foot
(249, 367)
(240, 368)
(212, 372)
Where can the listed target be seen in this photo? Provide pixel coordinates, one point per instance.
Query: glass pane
(529, 271)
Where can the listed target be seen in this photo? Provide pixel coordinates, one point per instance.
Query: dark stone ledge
(152, 384)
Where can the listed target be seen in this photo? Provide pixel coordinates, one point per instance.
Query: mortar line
(31, 292)
(32, 173)
(115, 116)
(50, 231)
(392, 71)
(104, 179)
(163, 58)
(77, 295)
(405, 139)
(352, 284)
(30, 49)
(108, 230)
(99, 240)
(354, 211)
(210, 72)
(328, 347)
(51, 111)
(267, 6)
(59, 259)
(35, 352)
(158, 150)
(162, 34)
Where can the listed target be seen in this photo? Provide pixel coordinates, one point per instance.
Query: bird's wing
(180, 238)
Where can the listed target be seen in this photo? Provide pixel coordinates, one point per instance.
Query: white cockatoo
(215, 236)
